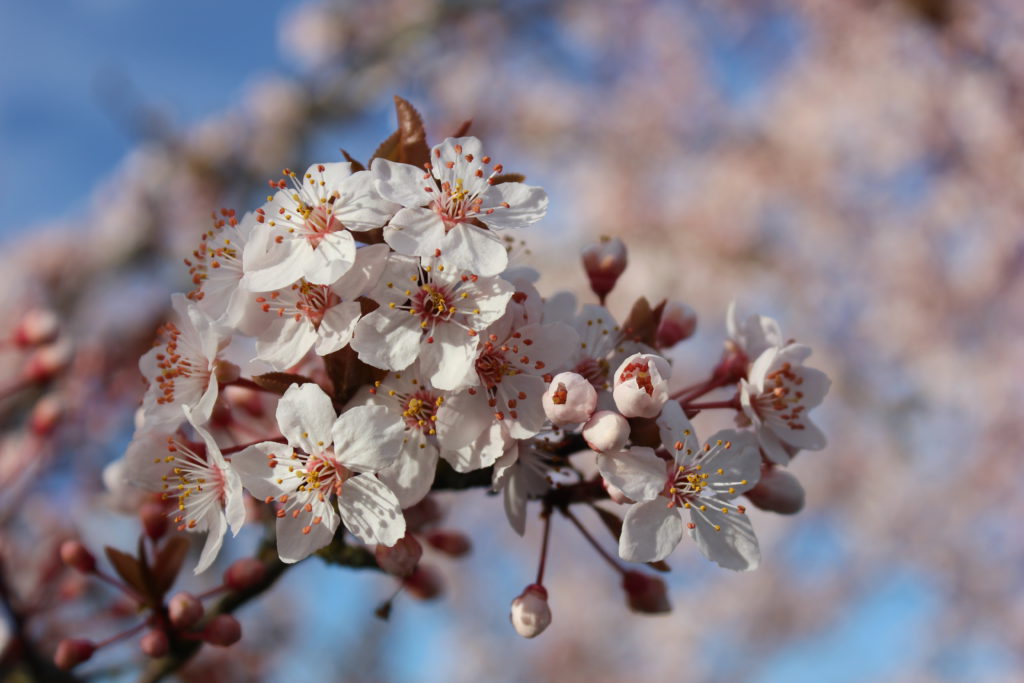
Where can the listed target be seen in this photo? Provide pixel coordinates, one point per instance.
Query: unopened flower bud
(73, 651)
(46, 414)
(530, 613)
(645, 593)
(640, 385)
(226, 372)
(615, 493)
(422, 514)
(76, 555)
(453, 543)
(245, 574)
(604, 263)
(39, 326)
(606, 431)
(184, 610)
(222, 631)
(401, 558)
(153, 516)
(154, 643)
(777, 491)
(424, 583)
(570, 399)
(46, 362)
(678, 322)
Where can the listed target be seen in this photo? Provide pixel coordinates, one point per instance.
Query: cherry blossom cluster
(363, 338)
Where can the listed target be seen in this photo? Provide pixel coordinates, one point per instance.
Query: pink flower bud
(46, 362)
(37, 327)
(245, 574)
(645, 593)
(222, 631)
(640, 385)
(154, 643)
(226, 372)
(606, 431)
(76, 555)
(46, 414)
(570, 399)
(530, 613)
(453, 543)
(153, 516)
(615, 493)
(401, 558)
(73, 651)
(424, 583)
(678, 322)
(185, 610)
(604, 263)
(777, 491)
(422, 514)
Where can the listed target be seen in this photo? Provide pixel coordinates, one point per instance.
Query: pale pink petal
(638, 472)
(305, 416)
(371, 511)
(650, 531)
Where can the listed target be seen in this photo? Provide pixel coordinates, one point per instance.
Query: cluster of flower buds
(361, 339)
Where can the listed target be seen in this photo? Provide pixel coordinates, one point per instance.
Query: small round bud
(604, 263)
(645, 593)
(46, 362)
(615, 493)
(153, 516)
(73, 651)
(46, 414)
(424, 583)
(640, 385)
(185, 610)
(401, 558)
(678, 322)
(422, 514)
(570, 399)
(530, 613)
(453, 543)
(222, 631)
(245, 574)
(154, 643)
(606, 431)
(76, 555)
(777, 491)
(37, 327)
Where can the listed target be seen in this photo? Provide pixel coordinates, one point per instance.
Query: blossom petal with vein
(700, 480)
(445, 206)
(326, 473)
(778, 396)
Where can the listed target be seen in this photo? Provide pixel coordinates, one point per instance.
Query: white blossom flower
(777, 398)
(307, 227)
(754, 335)
(444, 205)
(322, 317)
(325, 473)
(180, 370)
(700, 480)
(216, 268)
(431, 312)
(602, 343)
(208, 490)
(641, 385)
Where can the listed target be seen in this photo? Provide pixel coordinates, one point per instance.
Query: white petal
(252, 467)
(740, 463)
(733, 546)
(650, 531)
(371, 511)
(215, 525)
(387, 340)
(528, 204)
(462, 418)
(415, 232)
(331, 258)
(337, 327)
(469, 248)
(367, 438)
(675, 428)
(293, 543)
(481, 452)
(305, 415)
(285, 341)
(529, 410)
(364, 274)
(638, 472)
(289, 262)
(401, 183)
(449, 359)
(412, 474)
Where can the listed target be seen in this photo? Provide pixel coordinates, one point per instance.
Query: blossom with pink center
(321, 317)
(701, 480)
(432, 312)
(454, 206)
(180, 369)
(569, 399)
(216, 267)
(304, 231)
(641, 385)
(325, 474)
(776, 399)
(753, 335)
(207, 488)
